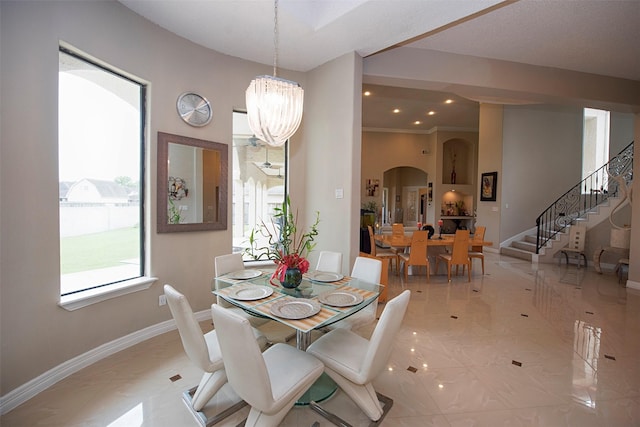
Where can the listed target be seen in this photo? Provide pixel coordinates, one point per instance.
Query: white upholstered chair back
(330, 261)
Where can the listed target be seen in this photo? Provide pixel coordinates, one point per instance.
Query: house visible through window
(259, 182)
(100, 152)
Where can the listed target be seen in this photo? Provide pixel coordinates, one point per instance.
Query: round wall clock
(194, 109)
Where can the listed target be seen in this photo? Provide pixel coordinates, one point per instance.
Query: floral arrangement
(285, 245)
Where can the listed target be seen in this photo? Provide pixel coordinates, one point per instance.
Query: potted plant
(285, 244)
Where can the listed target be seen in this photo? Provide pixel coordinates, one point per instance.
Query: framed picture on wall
(488, 189)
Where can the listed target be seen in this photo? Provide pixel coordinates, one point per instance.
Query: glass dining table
(321, 300)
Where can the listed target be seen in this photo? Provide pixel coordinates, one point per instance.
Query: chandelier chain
(275, 38)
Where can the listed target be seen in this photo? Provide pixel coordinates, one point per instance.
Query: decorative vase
(453, 175)
(292, 278)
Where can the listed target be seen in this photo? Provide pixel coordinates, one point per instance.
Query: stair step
(524, 246)
(549, 234)
(531, 239)
(517, 253)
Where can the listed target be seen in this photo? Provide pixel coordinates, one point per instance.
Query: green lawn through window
(100, 250)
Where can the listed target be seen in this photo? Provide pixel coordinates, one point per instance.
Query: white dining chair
(330, 262)
(224, 264)
(203, 350)
(353, 362)
(370, 270)
(577, 237)
(271, 382)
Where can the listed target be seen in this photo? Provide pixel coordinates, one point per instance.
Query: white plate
(244, 274)
(295, 309)
(340, 298)
(250, 292)
(325, 276)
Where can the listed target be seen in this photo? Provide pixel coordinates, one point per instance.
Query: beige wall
(331, 159)
(382, 151)
(37, 335)
(490, 144)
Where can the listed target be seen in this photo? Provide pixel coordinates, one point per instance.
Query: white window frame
(260, 185)
(96, 292)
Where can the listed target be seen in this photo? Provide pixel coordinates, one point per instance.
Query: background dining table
(405, 241)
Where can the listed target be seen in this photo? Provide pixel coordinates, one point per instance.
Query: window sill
(94, 296)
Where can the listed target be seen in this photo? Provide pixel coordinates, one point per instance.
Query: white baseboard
(633, 285)
(30, 389)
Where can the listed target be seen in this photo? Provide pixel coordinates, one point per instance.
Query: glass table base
(322, 389)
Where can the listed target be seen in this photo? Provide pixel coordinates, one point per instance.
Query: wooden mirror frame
(163, 178)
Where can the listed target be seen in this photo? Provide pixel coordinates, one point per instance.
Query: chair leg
(386, 401)
(187, 396)
(209, 385)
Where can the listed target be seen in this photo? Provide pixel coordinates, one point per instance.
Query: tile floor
(552, 346)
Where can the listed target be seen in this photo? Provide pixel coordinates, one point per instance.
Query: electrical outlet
(162, 300)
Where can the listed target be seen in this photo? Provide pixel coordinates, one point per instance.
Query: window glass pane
(99, 155)
(259, 182)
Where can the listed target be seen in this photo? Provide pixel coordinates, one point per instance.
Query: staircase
(524, 246)
(589, 202)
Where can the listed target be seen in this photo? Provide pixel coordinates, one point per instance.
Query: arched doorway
(403, 192)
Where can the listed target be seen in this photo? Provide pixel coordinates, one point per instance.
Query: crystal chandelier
(274, 105)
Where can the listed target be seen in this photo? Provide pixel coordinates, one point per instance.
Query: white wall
(542, 159)
(621, 125)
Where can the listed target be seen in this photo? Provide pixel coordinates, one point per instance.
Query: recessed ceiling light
(367, 93)
(396, 110)
(449, 101)
(431, 113)
(417, 122)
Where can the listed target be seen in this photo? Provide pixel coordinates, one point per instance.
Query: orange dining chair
(381, 252)
(417, 255)
(397, 231)
(459, 254)
(476, 251)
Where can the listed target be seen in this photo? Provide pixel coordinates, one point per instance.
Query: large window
(259, 181)
(100, 155)
(595, 140)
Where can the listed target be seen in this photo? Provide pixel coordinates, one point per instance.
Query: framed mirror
(192, 184)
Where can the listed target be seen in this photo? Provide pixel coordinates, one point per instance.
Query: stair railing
(584, 197)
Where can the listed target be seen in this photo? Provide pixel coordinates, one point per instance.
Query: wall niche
(457, 162)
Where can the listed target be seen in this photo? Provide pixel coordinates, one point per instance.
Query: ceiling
(593, 36)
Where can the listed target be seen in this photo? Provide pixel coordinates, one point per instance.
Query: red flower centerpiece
(282, 243)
